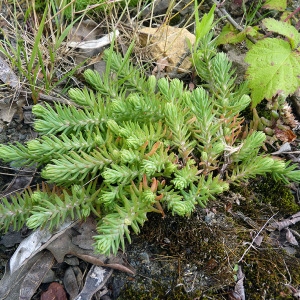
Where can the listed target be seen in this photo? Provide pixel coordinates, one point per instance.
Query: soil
(197, 257)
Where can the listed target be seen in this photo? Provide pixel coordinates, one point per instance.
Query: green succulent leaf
(152, 145)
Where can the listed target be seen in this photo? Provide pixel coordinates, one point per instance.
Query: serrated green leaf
(275, 4)
(230, 35)
(284, 29)
(274, 69)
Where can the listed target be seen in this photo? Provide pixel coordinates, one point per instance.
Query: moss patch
(211, 242)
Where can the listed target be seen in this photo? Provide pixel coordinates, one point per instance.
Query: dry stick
(174, 73)
(292, 14)
(53, 99)
(297, 26)
(253, 240)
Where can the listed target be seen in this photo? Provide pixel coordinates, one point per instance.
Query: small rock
(55, 292)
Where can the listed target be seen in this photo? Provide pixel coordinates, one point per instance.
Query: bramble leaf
(230, 35)
(276, 4)
(284, 29)
(274, 69)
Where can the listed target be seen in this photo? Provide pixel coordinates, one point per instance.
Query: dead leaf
(95, 44)
(7, 75)
(87, 230)
(95, 280)
(9, 107)
(20, 181)
(160, 66)
(285, 135)
(84, 31)
(286, 147)
(71, 284)
(290, 237)
(63, 245)
(167, 42)
(7, 111)
(55, 292)
(84, 34)
(239, 291)
(287, 222)
(33, 244)
(35, 275)
(10, 284)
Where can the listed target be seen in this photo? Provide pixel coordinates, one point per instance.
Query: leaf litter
(38, 252)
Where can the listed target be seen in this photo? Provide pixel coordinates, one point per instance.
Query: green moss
(216, 247)
(158, 292)
(267, 271)
(278, 195)
(266, 190)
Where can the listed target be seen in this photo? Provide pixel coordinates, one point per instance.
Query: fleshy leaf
(274, 69)
(284, 29)
(275, 4)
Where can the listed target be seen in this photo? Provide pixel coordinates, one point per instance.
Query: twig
(223, 13)
(53, 99)
(292, 14)
(253, 240)
(174, 73)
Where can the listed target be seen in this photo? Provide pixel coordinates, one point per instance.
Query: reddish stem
(292, 14)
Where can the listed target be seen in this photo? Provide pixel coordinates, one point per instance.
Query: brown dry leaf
(10, 107)
(7, 111)
(85, 31)
(35, 275)
(55, 292)
(33, 244)
(167, 42)
(285, 135)
(161, 64)
(64, 245)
